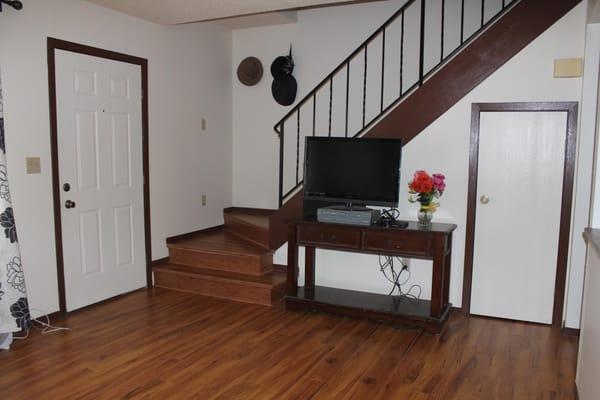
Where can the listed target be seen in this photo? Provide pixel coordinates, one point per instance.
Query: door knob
(484, 199)
(69, 204)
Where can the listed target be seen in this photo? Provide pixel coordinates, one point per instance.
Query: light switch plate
(203, 199)
(568, 68)
(203, 123)
(34, 165)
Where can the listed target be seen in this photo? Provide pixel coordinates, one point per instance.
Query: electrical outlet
(203, 200)
(406, 262)
(203, 124)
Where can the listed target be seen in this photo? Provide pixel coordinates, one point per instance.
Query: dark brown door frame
(567, 195)
(57, 44)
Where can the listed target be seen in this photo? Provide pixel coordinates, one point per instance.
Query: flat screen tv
(352, 171)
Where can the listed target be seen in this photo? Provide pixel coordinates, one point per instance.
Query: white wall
(591, 91)
(588, 362)
(442, 147)
(321, 38)
(583, 209)
(189, 78)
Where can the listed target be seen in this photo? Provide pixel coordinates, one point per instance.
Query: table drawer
(421, 245)
(321, 235)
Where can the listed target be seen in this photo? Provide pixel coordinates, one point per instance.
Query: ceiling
(170, 12)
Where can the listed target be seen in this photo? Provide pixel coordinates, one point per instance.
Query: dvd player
(348, 215)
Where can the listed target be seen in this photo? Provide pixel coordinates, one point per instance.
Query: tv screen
(349, 170)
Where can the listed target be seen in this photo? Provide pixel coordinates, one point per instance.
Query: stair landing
(232, 262)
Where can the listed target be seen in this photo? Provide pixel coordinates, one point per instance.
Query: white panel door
(520, 175)
(99, 114)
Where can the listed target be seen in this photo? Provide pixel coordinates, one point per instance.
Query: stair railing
(488, 11)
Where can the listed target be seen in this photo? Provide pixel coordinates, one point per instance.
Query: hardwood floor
(164, 344)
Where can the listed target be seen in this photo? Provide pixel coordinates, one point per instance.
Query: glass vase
(425, 216)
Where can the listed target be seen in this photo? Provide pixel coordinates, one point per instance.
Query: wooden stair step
(265, 290)
(249, 224)
(220, 250)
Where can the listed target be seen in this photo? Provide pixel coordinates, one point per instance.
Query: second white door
(101, 173)
(519, 197)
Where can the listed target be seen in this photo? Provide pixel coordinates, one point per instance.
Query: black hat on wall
(282, 67)
(284, 86)
(284, 90)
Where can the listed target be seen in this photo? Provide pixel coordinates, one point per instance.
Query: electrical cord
(391, 213)
(386, 263)
(45, 328)
(389, 218)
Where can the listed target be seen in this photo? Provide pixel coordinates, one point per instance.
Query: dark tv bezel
(354, 200)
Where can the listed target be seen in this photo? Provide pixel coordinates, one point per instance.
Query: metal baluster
(401, 54)
(462, 22)
(314, 112)
(298, 147)
(364, 47)
(382, 67)
(422, 44)
(364, 107)
(281, 162)
(482, 13)
(442, 45)
(330, 101)
(347, 95)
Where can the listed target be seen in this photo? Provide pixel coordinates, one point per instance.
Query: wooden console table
(434, 244)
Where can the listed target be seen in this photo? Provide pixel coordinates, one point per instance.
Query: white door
(99, 113)
(519, 192)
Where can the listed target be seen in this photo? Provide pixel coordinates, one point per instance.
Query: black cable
(389, 218)
(388, 263)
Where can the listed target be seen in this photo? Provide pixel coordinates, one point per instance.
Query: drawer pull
(331, 238)
(396, 245)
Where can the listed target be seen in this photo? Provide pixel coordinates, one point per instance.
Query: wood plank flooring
(162, 344)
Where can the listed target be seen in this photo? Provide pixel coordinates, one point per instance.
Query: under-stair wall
(442, 146)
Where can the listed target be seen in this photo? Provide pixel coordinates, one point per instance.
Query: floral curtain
(14, 310)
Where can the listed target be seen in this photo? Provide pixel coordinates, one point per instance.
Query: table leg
(309, 267)
(292, 267)
(447, 261)
(437, 278)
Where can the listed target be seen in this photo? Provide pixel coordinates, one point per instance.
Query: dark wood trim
(250, 211)
(59, 315)
(57, 44)
(160, 261)
(471, 205)
(190, 234)
(570, 331)
(103, 302)
(571, 108)
(513, 321)
(52, 316)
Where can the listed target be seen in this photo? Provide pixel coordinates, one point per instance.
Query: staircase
(236, 261)
(490, 33)
(231, 262)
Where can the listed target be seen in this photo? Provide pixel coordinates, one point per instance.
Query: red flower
(422, 182)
